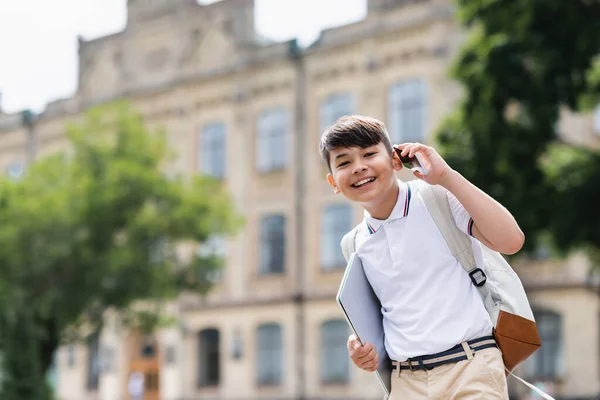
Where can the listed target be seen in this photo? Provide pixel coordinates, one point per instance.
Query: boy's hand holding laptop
(364, 357)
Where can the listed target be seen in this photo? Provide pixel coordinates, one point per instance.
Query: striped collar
(400, 210)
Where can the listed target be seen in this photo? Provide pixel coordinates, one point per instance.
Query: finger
(417, 147)
(406, 149)
(359, 353)
(351, 343)
(419, 175)
(368, 354)
(366, 348)
(402, 146)
(370, 366)
(425, 150)
(375, 364)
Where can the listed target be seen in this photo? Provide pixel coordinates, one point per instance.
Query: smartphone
(412, 163)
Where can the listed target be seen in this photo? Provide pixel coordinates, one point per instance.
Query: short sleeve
(461, 217)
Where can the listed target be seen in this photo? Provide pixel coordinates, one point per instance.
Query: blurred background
(164, 209)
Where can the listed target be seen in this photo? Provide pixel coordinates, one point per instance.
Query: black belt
(453, 355)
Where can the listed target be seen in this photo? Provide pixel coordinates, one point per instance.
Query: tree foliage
(102, 228)
(524, 61)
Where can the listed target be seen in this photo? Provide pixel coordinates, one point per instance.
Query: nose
(359, 167)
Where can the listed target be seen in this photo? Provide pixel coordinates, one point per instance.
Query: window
(335, 366)
(542, 251)
(15, 170)
(271, 143)
(335, 223)
(269, 355)
(272, 244)
(148, 350)
(212, 150)
(545, 363)
(237, 345)
(214, 246)
(209, 368)
(170, 355)
(407, 109)
(334, 107)
(157, 252)
(93, 363)
(107, 359)
(597, 120)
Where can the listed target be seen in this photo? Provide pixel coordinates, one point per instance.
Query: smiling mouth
(363, 182)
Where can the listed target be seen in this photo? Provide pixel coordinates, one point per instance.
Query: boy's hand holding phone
(364, 356)
(425, 162)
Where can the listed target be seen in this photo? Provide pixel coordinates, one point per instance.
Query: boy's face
(362, 175)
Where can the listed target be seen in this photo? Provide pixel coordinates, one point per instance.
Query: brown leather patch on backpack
(517, 338)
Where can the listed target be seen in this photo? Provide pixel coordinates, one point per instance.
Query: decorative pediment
(100, 75)
(187, 40)
(213, 48)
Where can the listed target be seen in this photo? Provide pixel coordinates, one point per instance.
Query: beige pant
(479, 378)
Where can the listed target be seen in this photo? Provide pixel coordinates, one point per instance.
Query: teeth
(360, 183)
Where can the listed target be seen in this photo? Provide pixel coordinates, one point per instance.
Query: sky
(38, 38)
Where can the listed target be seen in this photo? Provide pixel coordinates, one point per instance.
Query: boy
(437, 331)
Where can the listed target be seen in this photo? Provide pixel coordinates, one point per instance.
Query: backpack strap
(437, 204)
(436, 201)
(349, 242)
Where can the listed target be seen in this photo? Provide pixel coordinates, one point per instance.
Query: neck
(382, 207)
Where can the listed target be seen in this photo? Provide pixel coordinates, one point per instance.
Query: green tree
(22, 376)
(523, 62)
(100, 230)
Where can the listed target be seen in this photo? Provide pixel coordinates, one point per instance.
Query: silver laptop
(363, 312)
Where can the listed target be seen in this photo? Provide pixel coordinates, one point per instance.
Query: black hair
(353, 131)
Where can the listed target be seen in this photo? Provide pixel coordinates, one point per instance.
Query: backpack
(500, 288)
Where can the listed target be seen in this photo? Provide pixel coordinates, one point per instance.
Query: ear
(397, 164)
(331, 181)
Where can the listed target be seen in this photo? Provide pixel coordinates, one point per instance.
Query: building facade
(251, 113)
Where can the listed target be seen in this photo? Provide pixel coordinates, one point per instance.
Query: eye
(370, 154)
(343, 163)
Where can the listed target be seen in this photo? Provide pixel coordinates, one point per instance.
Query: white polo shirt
(428, 301)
